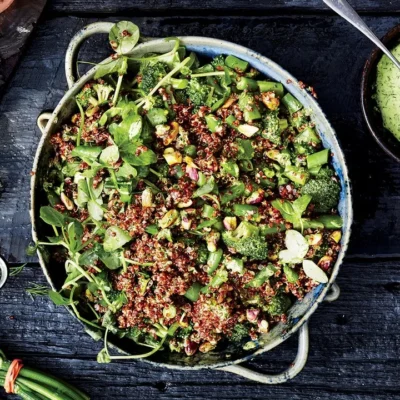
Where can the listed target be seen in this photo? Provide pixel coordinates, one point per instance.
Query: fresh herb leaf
(87, 153)
(58, 299)
(111, 260)
(70, 169)
(83, 193)
(246, 151)
(126, 171)
(103, 357)
(233, 192)
(292, 212)
(95, 210)
(115, 238)
(109, 155)
(152, 229)
(52, 217)
(208, 187)
(137, 154)
(123, 37)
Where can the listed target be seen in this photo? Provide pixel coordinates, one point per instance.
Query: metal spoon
(345, 10)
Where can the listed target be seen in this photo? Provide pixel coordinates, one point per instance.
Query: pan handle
(42, 121)
(299, 362)
(75, 43)
(273, 379)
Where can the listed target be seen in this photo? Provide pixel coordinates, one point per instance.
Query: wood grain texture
(16, 24)
(324, 51)
(354, 352)
(184, 6)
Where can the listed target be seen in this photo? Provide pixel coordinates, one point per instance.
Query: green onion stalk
(32, 384)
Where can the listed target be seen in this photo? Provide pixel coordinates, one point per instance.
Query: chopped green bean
(317, 159)
(236, 63)
(291, 103)
(266, 86)
(214, 258)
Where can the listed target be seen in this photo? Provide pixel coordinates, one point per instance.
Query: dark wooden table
(355, 341)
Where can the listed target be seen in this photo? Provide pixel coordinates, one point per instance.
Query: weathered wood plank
(322, 51)
(354, 352)
(16, 25)
(225, 6)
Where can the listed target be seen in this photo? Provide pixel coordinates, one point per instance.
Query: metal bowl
(225, 358)
(372, 116)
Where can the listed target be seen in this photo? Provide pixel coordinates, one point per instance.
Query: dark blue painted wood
(354, 350)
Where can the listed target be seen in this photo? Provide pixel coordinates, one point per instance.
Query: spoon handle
(344, 9)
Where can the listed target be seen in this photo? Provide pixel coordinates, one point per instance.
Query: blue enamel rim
(211, 47)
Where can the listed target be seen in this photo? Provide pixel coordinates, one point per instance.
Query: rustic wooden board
(16, 24)
(354, 351)
(319, 50)
(207, 6)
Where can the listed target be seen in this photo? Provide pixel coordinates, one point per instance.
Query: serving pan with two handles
(229, 358)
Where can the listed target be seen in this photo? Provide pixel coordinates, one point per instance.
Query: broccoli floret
(218, 62)
(87, 96)
(279, 304)
(184, 332)
(239, 332)
(181, 96)
(151, 74)
(103, 92)
(202, 254)
(94, 95)
(271, 128)
(325, 173)
(246, 240)
(324, 189)
(197, 93)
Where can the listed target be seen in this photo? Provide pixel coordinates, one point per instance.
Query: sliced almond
(314, 272)
(288, 257)
(248, 130)
(296, 243)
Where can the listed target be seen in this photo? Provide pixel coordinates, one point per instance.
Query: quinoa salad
(191, 201)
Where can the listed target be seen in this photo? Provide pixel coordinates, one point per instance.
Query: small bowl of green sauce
(380, 95)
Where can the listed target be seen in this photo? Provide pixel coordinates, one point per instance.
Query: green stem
(43, 390)
(165, 79)
(133, 356)
(78, 315)
(117, 89)
(144, 59)
(54, 382)
(138, 263)
(155, 172)
(81, 125)
(214, 73)
(81, 270)
(83, 245)
(114, 178)
(72, 281)
(124, 266)
(53, 244)
(93, 311)
(26, 393)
